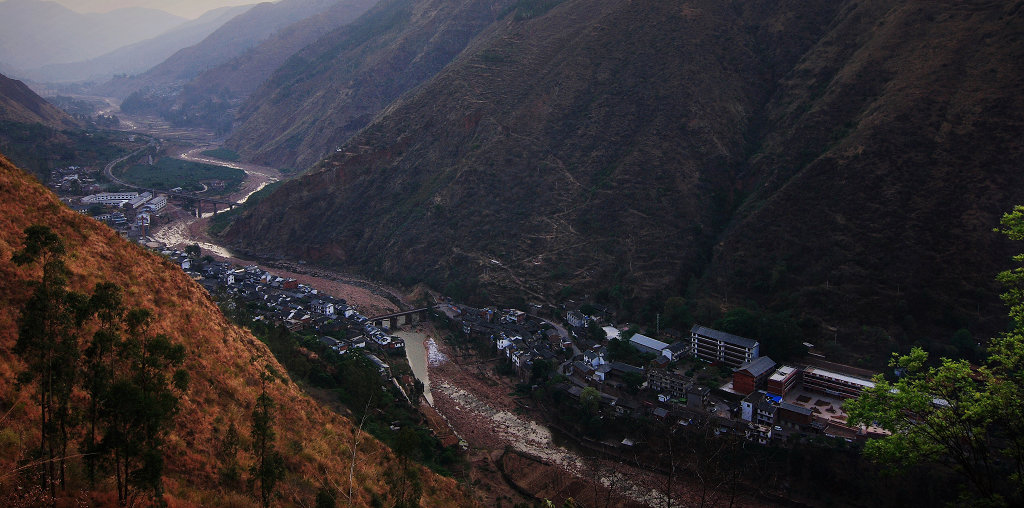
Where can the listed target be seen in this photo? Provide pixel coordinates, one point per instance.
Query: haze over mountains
(37, 33)
(229, 41)
(189, 9)
(137, 57)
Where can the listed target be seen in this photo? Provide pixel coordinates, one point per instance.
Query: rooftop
(758, 366)
(646, 341)
(782, 373)
(814, 371)
(722, 336)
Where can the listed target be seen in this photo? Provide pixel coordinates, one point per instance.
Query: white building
(141, 199)
(646, 344)
(715, 346)
(110, 198)
(156, 204)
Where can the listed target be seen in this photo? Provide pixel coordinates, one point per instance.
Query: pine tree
(269, 465)
(47, 343)
(140, 407)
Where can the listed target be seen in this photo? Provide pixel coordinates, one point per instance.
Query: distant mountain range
(227, 42)
(138, 57)
(843, 162)
(211, 97)
(35, 33)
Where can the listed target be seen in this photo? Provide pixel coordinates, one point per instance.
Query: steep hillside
(138, 57)
(224, 363)
(35, 32)
(591, 144)
(328, 91)
(841, 161)
(887, 156)
(228, 41)
(18, 103)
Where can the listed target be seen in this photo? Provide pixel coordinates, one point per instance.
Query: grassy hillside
(20, 104)
(225, 363)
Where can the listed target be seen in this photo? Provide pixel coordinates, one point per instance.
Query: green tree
(193, 251)
(677, 313)
(140, 406)
(541, 370)
(228, 455)
(969, 419)
(590, 399)
(269, 465)
(97, 369)
(48, 344)
(633, 381)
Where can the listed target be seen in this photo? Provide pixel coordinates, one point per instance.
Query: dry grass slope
(224, 360)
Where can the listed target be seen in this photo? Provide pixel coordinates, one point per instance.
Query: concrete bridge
(393, 321)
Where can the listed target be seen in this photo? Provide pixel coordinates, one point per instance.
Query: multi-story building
(752, 375)
(110, 198)
(716, 346)
(834, 383)
(783, 380)
(667, 381)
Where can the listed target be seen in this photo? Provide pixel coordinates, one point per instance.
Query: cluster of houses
(761, 401)
(284, 301)
(520, 337)
(73, 179)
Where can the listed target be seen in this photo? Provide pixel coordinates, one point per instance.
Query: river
(416, 353)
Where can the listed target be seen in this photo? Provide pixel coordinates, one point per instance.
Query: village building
(713, 346)
(668, 381)
(783, 380)
(834, 383)
(752, 375)
(645, 344)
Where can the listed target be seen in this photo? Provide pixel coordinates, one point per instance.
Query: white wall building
(110, 198)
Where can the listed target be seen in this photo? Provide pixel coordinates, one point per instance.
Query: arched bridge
(397, 319)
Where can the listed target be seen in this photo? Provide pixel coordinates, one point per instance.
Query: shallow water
(416, 353)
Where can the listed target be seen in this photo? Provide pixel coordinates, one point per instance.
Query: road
(256, 177)
(109, 169)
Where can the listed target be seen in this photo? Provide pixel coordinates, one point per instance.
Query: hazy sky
(185, 8)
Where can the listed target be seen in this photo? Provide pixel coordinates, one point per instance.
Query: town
(707, 377)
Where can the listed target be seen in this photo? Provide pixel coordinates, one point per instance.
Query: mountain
(839, 163)
(225, 364)
(34, 33)
(328, 91)
(210, 99)
(228, 41)
(18, 103)
(138, 57)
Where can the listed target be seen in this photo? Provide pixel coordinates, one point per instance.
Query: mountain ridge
(656, 161)
(228, 41)
(137, 57)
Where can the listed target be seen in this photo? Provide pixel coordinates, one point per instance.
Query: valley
(517, 253)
